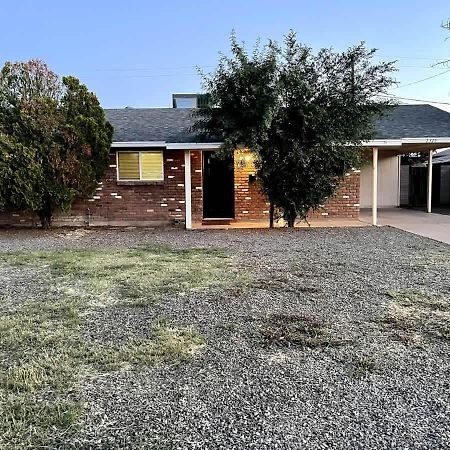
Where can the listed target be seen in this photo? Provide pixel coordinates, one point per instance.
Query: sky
(137, 53)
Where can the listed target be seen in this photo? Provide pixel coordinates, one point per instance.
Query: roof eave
(167, 145)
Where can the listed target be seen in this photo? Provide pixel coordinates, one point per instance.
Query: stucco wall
(387, 183)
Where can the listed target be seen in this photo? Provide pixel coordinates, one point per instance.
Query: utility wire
(422, 80)
(413, 99)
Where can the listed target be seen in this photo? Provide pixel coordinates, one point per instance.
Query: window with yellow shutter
(152, 166)
(128, 166)
(144, 166)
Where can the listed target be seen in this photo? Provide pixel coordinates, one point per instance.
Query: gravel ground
(240, 393)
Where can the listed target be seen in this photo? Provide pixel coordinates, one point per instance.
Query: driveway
(433, 226)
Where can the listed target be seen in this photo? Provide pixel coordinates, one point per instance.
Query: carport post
(429, 180)
(187, 189)
(374, 185)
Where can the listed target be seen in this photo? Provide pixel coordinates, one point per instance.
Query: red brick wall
(345, 202)
(134, 203)
(125, 203)
(251, 204)
(139, 202)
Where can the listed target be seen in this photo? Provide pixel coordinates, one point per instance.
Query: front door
(218, 187)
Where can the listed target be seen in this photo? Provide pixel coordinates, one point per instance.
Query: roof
(413, 121)
(172, 125)
(151, 124)
(442, 157)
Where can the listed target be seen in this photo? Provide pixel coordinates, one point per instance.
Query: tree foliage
(304, 115)
(54, 139)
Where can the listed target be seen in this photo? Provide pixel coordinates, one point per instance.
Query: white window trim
(140, 165)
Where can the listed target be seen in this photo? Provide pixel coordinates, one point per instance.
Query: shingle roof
(172, 125)
(151, 124)
(414, 121)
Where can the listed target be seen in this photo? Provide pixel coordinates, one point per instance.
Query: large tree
(304, 115)
(54, 139)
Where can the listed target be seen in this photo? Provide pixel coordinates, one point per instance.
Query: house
(158, 174)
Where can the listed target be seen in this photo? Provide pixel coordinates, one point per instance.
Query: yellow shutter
(128, 166)
(152, 166)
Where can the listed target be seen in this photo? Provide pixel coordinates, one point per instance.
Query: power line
(437, 58)
(413, 99)
(422, 80)
(143, 69)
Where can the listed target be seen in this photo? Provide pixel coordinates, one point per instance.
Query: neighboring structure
(159, 174)
(413, 181)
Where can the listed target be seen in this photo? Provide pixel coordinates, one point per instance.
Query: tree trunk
(46, 215)
(290, 217)
(271, 214)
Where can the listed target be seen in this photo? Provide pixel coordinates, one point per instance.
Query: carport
(407, 129)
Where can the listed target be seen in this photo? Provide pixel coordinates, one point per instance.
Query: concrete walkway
(434, 226)
(312, 223)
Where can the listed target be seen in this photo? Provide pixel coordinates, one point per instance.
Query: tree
(304, 116)
(54, 140)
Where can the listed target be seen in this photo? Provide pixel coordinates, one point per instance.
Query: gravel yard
(317, 339)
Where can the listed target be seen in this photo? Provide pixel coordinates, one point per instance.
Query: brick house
(159, 175)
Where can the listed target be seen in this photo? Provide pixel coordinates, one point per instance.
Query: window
(140, 166)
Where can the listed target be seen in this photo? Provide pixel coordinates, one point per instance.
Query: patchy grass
(364, 366)
(292, 330)
(27, 422)
(439, 258)
(138, 276)
(43, 354)
(418, 314)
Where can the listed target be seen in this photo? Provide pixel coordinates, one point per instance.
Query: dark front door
(218, 187)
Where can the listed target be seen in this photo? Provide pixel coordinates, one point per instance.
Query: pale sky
(137, 53)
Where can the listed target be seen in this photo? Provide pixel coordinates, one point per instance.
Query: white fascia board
(193, 146)
(383, 143)
(138, 144)
(427, 140)
(216, 145)
(399, 142)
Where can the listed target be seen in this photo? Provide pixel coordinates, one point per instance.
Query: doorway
(218, 187)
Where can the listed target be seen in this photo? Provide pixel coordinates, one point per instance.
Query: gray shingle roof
(151, 124)
(414, 121)
(172, 125)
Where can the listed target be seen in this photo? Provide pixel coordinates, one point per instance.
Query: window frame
(155, 180)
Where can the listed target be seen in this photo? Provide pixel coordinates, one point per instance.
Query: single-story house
(158, 173)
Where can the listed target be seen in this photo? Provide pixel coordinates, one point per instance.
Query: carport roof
(172, 125)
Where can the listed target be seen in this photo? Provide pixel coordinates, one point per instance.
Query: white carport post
(429, 180)
(187, 189)
(374, 185)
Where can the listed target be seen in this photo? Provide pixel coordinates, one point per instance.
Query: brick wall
(135, 202)
(345, 202)
(251, 204)
(144, 203)
(125, 203)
